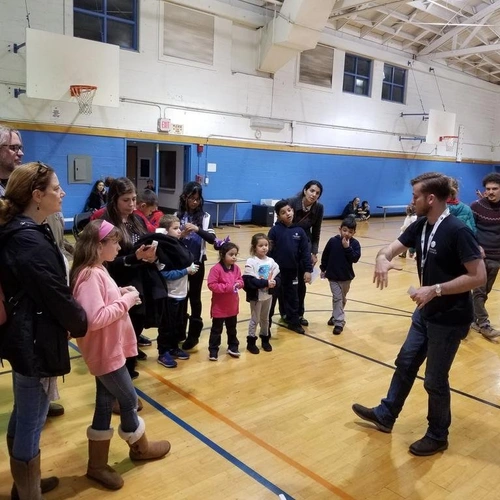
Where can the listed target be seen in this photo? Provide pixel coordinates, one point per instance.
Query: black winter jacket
(35, 338)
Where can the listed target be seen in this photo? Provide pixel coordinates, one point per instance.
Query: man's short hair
(349, 222)
(148, 197)
(491, 177)
(280, 204)
(434, 183)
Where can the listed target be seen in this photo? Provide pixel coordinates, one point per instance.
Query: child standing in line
(224, 281)
(340, 253)
(410, 218)
(172, 327)
(110, 339)
(290, 249)
(261, 278)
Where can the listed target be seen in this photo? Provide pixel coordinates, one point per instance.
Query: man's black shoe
(304, 322)
(331, 321)
(427, 446)
(369, 415)
(338, 330)
(296, 328)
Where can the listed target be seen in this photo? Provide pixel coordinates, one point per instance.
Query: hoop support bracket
(18, 92)
(14, 47)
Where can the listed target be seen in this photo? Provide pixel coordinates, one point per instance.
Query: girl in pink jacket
(224, 280)
(110, 339)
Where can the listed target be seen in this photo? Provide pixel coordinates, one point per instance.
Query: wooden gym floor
(280, 423)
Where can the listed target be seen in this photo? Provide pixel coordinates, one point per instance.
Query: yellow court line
(290, 461)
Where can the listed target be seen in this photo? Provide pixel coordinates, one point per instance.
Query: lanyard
(423, 259)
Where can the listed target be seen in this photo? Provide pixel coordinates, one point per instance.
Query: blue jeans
(439, 344)
(31, 405)
(115, 385)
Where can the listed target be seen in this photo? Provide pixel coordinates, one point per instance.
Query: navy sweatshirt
(337, 261)
(290, 245)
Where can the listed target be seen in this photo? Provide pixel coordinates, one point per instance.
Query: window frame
(104, 17)
(356, 74)
(391, 84)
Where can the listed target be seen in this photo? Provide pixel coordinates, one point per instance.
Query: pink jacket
(225, 300)
(110, 336)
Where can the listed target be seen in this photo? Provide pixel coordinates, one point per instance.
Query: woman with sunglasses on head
(41, 311)
(197, 230)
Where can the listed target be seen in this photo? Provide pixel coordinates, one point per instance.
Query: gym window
(357, 75)
(394, 85)
(108, 21)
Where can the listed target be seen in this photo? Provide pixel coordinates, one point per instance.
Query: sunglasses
(41, 171)
(14, 147)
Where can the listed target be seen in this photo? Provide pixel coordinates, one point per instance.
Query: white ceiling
(463, 34)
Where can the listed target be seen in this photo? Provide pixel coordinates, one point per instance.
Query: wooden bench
(390, 207)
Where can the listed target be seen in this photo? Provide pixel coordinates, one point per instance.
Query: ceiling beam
(450, 34)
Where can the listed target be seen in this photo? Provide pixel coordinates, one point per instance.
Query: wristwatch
(438, 290)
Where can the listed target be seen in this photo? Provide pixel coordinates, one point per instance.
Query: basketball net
(84, 95)
(449, 141)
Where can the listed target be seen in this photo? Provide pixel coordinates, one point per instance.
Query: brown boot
(140, 448)
(47, 484)
(116, 406)
(27, 478)
(98, 468)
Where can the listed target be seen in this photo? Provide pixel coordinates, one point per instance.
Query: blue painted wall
(108, 158)
(253, 174)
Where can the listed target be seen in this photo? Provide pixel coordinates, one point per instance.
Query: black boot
(251, 345)
(266, 346)
(194, 332)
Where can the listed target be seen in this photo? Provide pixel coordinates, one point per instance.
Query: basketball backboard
(441, 124)
(54, 62)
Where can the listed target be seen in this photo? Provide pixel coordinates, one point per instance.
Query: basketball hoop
(449, 141)
(84, 95)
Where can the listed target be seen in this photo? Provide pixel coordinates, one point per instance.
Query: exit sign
(164, 124)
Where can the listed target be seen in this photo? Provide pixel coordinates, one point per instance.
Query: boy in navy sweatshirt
(289, 247)
(340, 253)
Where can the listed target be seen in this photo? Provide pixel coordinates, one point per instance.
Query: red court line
(290, 461)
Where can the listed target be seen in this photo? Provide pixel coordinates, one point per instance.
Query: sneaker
(134, 374)
(282, 321)
(55, 410)
(178, 353)
(296, 329)
(486, 331)
(167, 360)
(369, 415)
(331, 321)
(143, 341)
(427, 446)
(141, 355)
(233, 352)
(213, 355)
(338, 330)
(304, 322)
